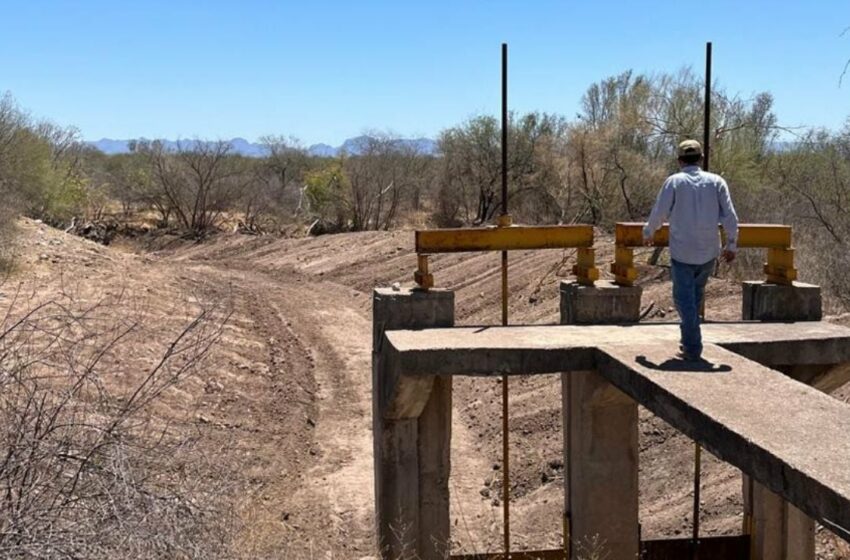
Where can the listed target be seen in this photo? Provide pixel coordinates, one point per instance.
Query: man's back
(695, 202)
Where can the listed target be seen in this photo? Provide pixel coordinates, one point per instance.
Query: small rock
(396, 286)
(213, 386)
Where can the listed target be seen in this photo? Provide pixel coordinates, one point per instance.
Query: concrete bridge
(756, 403)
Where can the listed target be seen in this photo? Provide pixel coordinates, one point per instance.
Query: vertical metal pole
(504, 129)
(706, 125)
(695, 537)
(706, 140)
(506, 478)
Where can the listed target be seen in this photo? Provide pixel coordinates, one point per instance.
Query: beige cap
(690, 148)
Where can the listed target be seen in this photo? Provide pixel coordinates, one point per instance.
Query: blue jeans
(689, 282)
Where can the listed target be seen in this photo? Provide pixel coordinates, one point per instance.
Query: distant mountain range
(352, 146)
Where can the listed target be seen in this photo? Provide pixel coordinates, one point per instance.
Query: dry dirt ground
(283, 402)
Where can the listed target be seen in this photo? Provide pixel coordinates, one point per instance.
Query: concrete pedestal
(603, 304)
(776, 302)
(780, 531)
(600, 433)
(412, 437)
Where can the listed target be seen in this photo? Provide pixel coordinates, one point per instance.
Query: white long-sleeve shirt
(695, 202)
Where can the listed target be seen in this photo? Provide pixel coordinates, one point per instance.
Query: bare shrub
(88, 470)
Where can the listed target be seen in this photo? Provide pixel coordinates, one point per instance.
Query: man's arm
(660, 212)
(729, 221)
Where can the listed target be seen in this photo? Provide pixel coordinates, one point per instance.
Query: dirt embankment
(284, 402)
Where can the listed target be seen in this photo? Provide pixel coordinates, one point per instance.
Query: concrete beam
(554, 349)
(791, 438)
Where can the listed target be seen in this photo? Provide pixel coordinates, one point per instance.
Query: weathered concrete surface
(776, 302)
(554, 349)
(600, 432)
(793, 439)
(411, 423)
(601, 448)
(404, 397)
(605, 303)
(779, 530)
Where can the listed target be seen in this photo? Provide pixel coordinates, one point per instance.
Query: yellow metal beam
(777, 239)
(510, 238)
(630, 234)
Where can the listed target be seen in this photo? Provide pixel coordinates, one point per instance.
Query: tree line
(603, 165)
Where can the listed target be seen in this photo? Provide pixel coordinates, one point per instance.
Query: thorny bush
(86, 469)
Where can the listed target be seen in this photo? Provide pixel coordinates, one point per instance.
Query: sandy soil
(284, 403)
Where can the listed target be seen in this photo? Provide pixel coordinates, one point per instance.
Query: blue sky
(326, 71)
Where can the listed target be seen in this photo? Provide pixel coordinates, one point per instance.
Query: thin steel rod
(697, 469)
(706, 146)
(506, 470)
(706, 125)
(504, 128)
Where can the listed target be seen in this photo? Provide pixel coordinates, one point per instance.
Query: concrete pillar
(411, 429)
(600, 434)
(779, 530)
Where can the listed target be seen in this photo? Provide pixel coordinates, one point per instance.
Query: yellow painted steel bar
(630, 234)
(503, 238)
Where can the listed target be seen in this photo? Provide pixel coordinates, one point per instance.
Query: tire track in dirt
(326, 508)
(331, 501)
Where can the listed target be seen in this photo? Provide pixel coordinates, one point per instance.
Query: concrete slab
(557, 348)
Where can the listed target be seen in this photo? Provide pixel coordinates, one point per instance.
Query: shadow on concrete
(678, 364)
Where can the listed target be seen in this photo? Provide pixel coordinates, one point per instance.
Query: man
(695, 202)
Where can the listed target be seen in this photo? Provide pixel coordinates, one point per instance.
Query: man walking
(695, 202)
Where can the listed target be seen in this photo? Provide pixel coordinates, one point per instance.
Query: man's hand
(728, 256)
